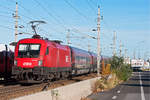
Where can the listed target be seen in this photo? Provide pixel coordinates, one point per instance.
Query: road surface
(136, 88)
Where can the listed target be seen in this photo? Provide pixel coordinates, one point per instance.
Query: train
(6, 61)
(37, 60)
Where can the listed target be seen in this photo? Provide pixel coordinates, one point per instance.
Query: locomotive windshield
(29, 50)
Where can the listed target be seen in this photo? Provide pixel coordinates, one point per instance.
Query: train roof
(41, 39)
(105, 57)
(81, 51)
(77, 49)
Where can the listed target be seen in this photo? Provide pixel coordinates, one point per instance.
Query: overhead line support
(98, 42)
(16, 22)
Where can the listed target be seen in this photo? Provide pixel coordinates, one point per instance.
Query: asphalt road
(136, 88)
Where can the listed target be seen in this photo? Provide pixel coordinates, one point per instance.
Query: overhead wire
(81, 14)
(50, 14)
(54, 16)
(9, 9)
(4, 16)
(24, 8)
(19, 14)
(88, 2)
(42, 18)
(89, 36)
(93, 3)
(105, 38)
(3, 12)
(29, 12)
(58, 16)
(19, 18)
(13, 11)
(6, 27)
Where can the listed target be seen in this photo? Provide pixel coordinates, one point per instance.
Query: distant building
(137, 62)
(146, 64)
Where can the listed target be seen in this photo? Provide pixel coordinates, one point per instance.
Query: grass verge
(120, 72)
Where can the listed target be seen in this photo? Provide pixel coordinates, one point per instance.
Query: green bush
(122, 70)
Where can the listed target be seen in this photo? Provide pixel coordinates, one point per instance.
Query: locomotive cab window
(47, 51)
(29, 50)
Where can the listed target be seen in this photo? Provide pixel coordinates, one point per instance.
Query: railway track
(7, 89)
(13, 91)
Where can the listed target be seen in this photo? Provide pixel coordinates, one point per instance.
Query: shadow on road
(137, 85)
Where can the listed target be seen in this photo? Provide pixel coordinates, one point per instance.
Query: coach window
(1, 58)
(47, 50)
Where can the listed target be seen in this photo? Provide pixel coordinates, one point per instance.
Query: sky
(130, 19)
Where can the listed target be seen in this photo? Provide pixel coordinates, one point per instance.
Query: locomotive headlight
(40, 62)
(15, 62)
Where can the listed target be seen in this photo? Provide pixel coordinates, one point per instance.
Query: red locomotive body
(31, 53)
(6, 61)
(38, 59)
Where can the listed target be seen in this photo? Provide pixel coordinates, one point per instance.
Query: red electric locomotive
(37, 59)
(6, 61)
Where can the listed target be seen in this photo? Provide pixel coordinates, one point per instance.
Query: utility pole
(68, 37)
(120, 51)
(16, 21)
(98, 42)
(145, 55)
(125, 54)
(139, 54)
(114, 44)
(89, 47)
(134, 53)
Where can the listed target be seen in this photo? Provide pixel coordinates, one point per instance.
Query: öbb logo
(27, 64)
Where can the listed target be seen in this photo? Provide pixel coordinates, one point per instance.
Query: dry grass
(99, 85)
(83, 98)
(112, 81)
(105, 83)
(148, 69)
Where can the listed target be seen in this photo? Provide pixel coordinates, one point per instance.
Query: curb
(73, 91)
